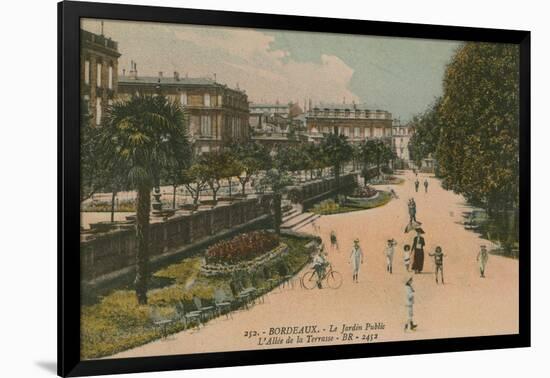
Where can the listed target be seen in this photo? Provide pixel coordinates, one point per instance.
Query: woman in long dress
(418, 252)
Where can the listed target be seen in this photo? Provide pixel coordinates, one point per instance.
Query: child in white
(356, 259)
(409, 303)
(389, 252)
(407, 256)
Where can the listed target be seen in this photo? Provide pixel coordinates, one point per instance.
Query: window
(183, 98)
(99, 75)
(110, 77)
(357, 132)
(206, 125)
(194, 124)
(87, 72)
(219, 100)
(98, 111)
(207, 99)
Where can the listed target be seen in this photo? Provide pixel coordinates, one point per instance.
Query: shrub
(242, 247)
(364, 192)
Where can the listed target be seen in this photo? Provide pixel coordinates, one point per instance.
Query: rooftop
(352, 106)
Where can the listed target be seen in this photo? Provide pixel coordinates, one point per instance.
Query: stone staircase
(294, 219)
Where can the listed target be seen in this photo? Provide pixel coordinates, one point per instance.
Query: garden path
(465, 306)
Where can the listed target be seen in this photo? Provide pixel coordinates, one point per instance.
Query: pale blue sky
(400, 75)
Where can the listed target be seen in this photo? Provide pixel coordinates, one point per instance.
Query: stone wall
(309, 193)
(108, 255)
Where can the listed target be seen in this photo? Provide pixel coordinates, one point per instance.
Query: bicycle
(332, 278)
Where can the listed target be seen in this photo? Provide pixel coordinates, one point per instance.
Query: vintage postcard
(248, 189)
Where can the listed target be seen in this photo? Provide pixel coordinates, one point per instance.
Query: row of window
(356, 132)
(204, 124)
(99, 70)
(348, 114)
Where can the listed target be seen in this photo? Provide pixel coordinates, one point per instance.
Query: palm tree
(145, 134)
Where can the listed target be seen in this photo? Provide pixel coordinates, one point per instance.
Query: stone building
(401, 135)
(98, 73)
(263, 116)
(218, 115)
(355, 121)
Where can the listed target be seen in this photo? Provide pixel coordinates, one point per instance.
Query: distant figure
(407, 256)
(418, 252)
(356, 259)
(438, 260)
(393, 193)
(482, 258)
(333, 241)
(409, 300)
(425, 185)
(412, 210)
(416, 185)
(316, 227)
(389, 252)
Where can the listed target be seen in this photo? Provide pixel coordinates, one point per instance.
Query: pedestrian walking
(333, 241)
(482, 258)
(416, 185)
(409, 300)
(426, 185)
(438, 260)
(418, 251)
(407, 256)
(389, 252)
(412, 210)
(356, 259)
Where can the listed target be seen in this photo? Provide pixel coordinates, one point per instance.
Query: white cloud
(236, 55)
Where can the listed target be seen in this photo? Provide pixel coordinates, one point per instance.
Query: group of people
(413, 257)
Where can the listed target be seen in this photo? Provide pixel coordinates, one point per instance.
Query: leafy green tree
(277, 180)
(217, 166)
(93, 175)
(427, 130)
(478, 149)
(195, 179)
(144, 134)
(253, 158)
(337, 150)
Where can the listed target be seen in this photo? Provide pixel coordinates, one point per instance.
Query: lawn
(115, 322)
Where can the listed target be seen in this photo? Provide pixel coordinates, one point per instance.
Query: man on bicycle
(320, 264)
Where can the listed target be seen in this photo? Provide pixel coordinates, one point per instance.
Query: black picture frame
(69, 14)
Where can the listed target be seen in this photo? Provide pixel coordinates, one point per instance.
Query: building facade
(98, 73)
(401, 135)
(354, 121)
(218, 115)
(263, 116)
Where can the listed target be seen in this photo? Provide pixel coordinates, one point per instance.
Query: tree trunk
(113, 198)
(142, 240)
(243, 183)
(174, 197)
(230, 182)
(277, 215)
(337, 178)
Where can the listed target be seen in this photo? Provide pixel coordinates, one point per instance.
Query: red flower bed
(242, 247)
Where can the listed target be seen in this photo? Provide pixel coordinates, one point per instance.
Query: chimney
(176, 76)
(133, 70)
